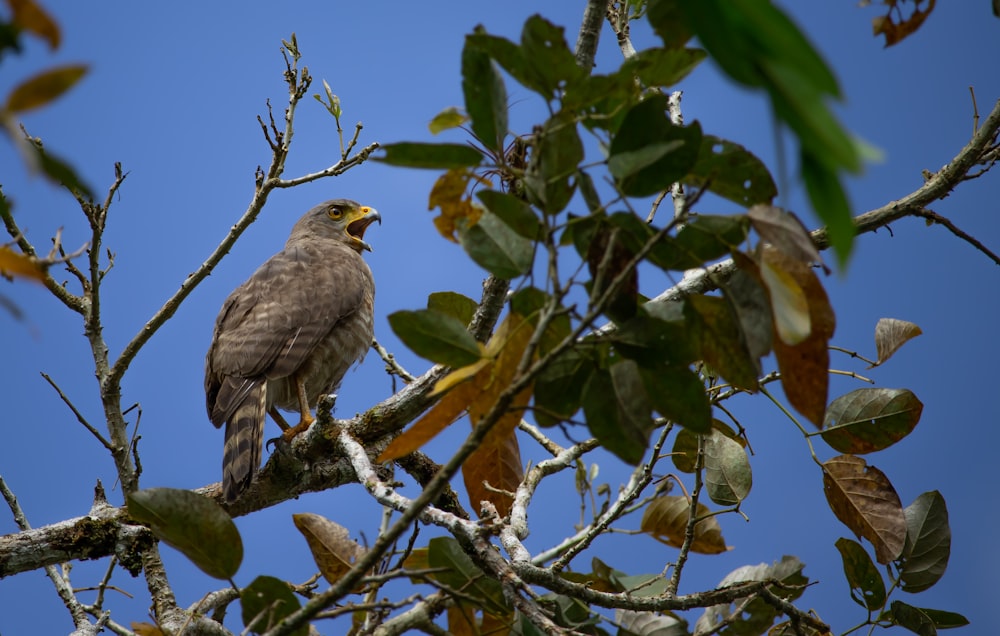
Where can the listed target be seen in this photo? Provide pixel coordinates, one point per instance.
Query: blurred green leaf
(485, 97)
(438, 337)
(943, 619)
(867, 586)
(826, 193)
(424, 155)
(493, 245)
(272, 600)
(193, 524)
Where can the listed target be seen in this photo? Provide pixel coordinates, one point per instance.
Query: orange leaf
(497, 461)
(436, 420)
(31, 17)
(14, 264)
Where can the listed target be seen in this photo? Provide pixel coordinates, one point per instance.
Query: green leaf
(728, 477)
(453, 304)
(510, 58)
(423, 155)
(732, 172)
(544, 48)
(928, 543)
(826, 193)
(493, 245)
(704, 238)
(513, 211)
(460, 573)
(620, 418)
(666, 18)
(559, 387)
(485, 97)
(867, 586)
(663, 67)
(272, 600)
(529, 302)
(912, 618)
(43, 88)
(555, 159)
(643, 151)
(59, 171)
(193, 524)
(945, 620)
(751, 304)
(653, 341)
(679, 395)
(438, 337)
(720, 340)
(870, 419)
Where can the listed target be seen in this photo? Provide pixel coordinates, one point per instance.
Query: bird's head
(340, 219)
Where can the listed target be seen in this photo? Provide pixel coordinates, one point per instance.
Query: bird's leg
(306, 417)
(278, 418)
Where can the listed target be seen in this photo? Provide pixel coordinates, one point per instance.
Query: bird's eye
(335, 213)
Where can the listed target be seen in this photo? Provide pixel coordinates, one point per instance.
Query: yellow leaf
(448, 118)
(666, 520)
(43, 88)
(331, 545)
(451, 194)
(31, 17)
(458, 376)
(14, 264)
(497, 461)
(146, 629)
(788, 300)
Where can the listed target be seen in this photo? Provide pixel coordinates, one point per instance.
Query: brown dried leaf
(331, 545)
(666, 520)
(784, 232)
(890, 335)
(895, 32)
(804, 366)
(14, 264)
(789, 303)
(864, 500)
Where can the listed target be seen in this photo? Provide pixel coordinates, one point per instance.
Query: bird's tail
(244, 440)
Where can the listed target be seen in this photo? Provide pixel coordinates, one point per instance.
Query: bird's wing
(271, 323)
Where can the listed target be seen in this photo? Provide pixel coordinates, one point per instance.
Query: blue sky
(173, 93)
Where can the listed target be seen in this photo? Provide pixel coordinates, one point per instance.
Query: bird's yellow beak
(365, 216)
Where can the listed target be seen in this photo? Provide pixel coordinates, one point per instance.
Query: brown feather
(306, 313)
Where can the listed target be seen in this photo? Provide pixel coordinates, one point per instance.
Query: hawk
(288, 334)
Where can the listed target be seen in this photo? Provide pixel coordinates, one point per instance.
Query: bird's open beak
(356, 229)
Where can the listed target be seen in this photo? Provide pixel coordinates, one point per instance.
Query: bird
(287, 335)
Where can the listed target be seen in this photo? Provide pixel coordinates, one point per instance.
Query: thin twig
(79, 416)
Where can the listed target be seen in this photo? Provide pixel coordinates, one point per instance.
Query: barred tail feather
(244, 441)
